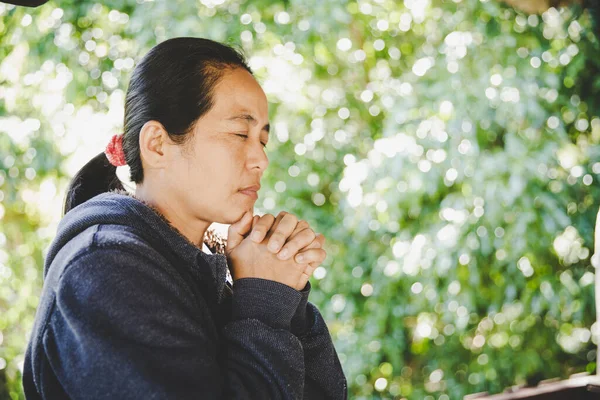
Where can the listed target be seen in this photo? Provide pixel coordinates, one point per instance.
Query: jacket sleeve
(324, 377)
(125, 327)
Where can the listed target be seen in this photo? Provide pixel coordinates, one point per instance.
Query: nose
(257, 158)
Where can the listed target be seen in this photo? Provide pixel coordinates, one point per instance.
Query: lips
(254, 188)
(251, 191)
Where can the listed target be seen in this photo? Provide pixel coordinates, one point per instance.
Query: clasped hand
(281, 249)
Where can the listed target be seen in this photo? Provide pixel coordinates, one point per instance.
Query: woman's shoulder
(116, 256)
(103, 238)
(100, 242)
(127, 237)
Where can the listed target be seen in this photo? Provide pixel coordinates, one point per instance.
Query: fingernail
(283, 254)
(299, 258)
(274, 246)
(256, 235)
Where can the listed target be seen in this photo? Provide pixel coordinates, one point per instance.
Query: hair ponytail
(95, 177)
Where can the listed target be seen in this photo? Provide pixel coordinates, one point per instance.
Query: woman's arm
(324, 377)
(122, 327)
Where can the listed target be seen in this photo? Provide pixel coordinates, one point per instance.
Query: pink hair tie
(114, 151)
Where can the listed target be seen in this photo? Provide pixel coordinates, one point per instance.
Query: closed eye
(246, 136)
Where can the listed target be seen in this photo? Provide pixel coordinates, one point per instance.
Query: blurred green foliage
(448, 150)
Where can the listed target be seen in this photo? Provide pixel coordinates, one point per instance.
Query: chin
(232, 216)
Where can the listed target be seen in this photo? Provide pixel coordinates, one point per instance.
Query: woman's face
(225, 153)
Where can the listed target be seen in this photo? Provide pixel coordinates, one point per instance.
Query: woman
(131, 306)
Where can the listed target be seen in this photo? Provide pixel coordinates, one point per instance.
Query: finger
(255, 220)
(261, 227)
(237, 230)
(252, 224)
(275, 224)
(317, 243)
(281, 232)
(319, 239)
(295, 243)
(300, 226)
(310, 269)
(302, 281)
(311, 256)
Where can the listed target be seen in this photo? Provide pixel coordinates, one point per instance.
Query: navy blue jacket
(130, 309)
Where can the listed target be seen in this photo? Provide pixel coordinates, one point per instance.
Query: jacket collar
(119, 208)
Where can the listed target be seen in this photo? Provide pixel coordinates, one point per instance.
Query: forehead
(237, 92)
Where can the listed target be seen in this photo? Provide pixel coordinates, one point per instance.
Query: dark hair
(173, 84)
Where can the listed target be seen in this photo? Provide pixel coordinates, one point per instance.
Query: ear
(154, 142)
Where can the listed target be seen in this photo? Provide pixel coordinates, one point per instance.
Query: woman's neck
(192, 229)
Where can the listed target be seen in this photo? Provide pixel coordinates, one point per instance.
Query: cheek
(217, 168)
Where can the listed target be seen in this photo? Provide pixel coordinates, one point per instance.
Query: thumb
(237, 230)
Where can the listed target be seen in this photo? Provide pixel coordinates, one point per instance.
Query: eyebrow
(251, 119)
